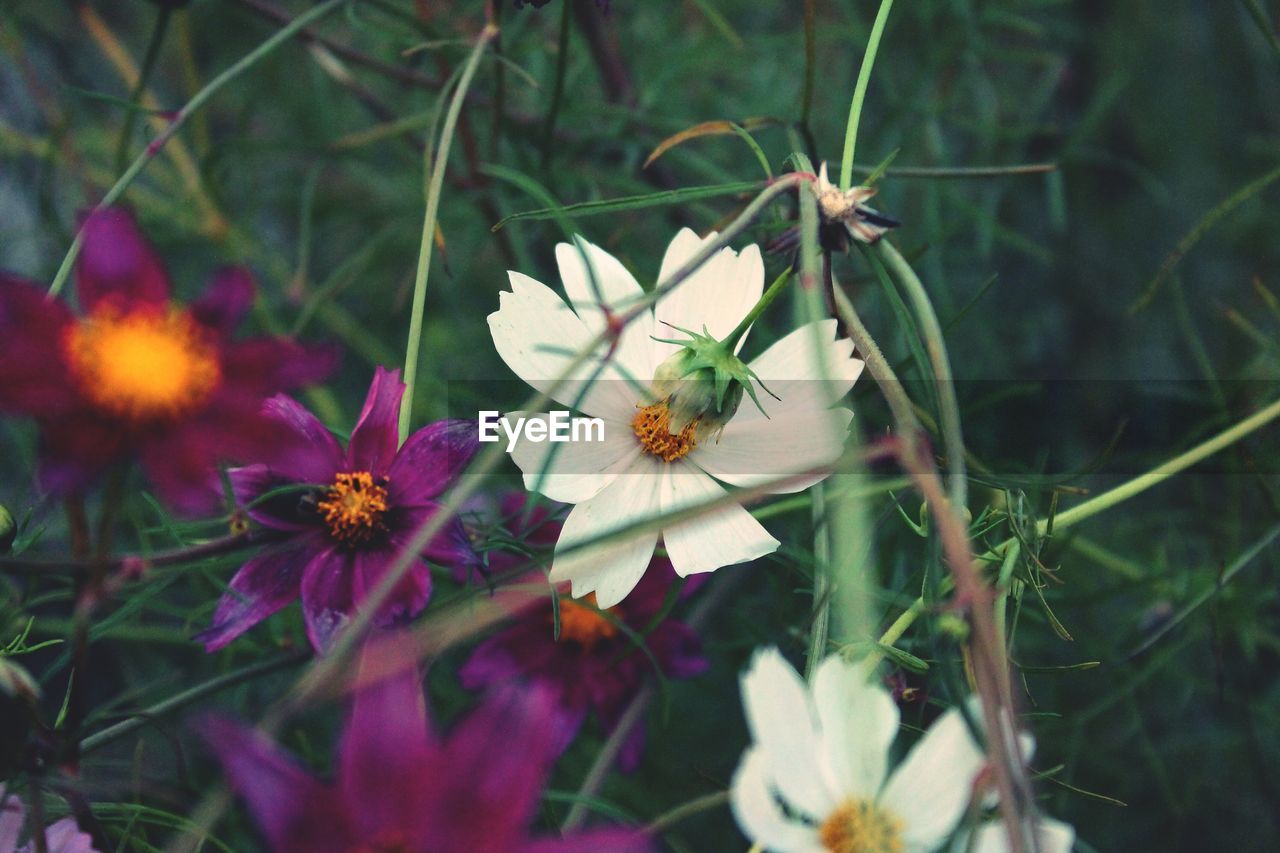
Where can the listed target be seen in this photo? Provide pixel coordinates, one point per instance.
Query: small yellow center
(146, 364)
(652, 425)
(584, 624)
(353, 506)
(860, 826)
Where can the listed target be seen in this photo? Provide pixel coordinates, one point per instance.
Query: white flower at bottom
(641, 470)
(814, 778)
(1053, 836)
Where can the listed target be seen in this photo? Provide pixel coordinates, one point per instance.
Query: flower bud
(703, 382)
(8, 530)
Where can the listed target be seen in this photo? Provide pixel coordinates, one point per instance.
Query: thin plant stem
(158, 32)
(180, 118)
(756, 310)
(434, 188)
(936, 348)
(186, 697)
(860, 94)
(557, 89)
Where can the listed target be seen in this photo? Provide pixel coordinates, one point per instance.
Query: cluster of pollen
(353, 506)
(388, 841)
(860, 826)
(583, 623)
(652, 425)
(146, 364)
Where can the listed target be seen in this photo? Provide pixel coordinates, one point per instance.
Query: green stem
(191, 107)
(186, 697)
(1160, 473)
(1119, 494)
(860, 94)
(434, 189)
(557, 91)
(754, 314)
(144, 74)
(936, 347)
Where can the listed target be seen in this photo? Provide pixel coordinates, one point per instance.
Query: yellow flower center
(146, 364)
(584, 624)
(652, 425)
(860, 826)
(352, 507)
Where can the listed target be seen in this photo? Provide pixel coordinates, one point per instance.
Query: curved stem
(860, 94)
(434, 189)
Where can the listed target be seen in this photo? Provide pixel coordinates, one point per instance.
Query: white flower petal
(613, 568)
(576, 471)
(756, 809)
(931, 787)
(859, 721)
(607, 284)
(783, 725)
(1054, 837)
(719, 537)
(538, 335)
(755, 451)
(717, 296)
(799, 377)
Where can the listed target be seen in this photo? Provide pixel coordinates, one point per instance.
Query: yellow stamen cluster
(860, 826)
(353, 506)
(652, 425)
(147, 364)
(583, 624)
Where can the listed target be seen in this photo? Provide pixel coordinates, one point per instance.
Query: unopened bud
(703, 382)
(8, 530)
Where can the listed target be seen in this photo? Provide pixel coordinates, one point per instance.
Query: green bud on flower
(8, 530)
(703, 384)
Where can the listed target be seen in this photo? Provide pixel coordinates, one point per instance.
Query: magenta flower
(347, 518)
(136, 374)
(595, 665)
(62, 836)
(399, 788)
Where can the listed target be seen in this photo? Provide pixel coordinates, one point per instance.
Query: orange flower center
(145, 364)
(353, 506)
(860, 826)
(652, 425)
(583, 623)
(387, 841)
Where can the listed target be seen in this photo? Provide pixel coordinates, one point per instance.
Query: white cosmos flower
(1053, 836)
(814, 778)
(622, 479)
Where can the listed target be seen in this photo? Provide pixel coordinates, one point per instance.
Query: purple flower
(345, 517)
(399, 788)
(136, 374)
(63, 836)
(595, 665)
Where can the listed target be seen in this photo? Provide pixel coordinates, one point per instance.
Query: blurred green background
(310, 170)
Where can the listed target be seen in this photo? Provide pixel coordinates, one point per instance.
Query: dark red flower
(595, 665)
(345, 517)
(399, 787)
(136, 374)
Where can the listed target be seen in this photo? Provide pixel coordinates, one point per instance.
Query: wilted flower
(62, 836)
(137, 374)
(594, 665)
(642, 468)
(844, 216)
(815, 777)
(345, 518)
(400, 788)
